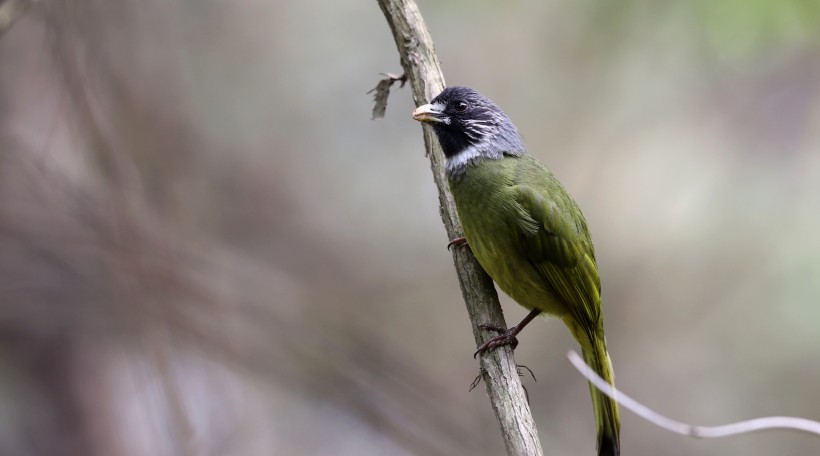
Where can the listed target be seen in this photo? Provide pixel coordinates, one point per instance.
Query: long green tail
(593, 346)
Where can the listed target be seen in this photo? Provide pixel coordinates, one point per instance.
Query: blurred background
(208, 248)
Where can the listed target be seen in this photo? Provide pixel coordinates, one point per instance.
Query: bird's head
(469, 127)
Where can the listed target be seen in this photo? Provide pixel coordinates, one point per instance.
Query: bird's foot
(505, 337)
(458, 242)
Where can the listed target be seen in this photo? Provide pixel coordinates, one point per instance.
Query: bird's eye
(461, 106)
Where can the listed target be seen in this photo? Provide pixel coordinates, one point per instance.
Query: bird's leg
(457, 242)
(506, 336)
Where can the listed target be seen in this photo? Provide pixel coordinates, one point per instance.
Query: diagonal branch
(421, 67)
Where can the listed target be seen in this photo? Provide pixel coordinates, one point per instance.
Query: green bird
(525, 230)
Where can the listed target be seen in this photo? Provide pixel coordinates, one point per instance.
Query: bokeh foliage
(207, 247)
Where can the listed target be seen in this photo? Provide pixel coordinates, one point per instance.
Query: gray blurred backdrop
(208, 248)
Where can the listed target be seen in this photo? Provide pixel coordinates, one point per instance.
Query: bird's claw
(506, 337)
(457, 242)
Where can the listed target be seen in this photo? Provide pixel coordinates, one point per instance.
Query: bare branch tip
(382, 92)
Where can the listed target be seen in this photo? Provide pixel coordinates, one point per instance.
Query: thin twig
(703, 432)
(421, 67)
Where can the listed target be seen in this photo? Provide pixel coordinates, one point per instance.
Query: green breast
(487, 211)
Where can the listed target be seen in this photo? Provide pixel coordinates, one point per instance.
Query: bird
(525, 230)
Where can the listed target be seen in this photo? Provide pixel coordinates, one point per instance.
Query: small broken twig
(521, 374)
(518, 367)
(382, 90)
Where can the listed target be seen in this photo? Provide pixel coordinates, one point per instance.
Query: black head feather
(470, 127)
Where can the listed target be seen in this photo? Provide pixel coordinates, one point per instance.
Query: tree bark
(498, 369)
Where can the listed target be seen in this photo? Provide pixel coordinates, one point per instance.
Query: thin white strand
(705, 432)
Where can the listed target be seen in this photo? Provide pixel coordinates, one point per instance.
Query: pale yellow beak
(430, 113)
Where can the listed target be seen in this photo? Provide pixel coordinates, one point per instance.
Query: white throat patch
(461, 159)
(458, 162)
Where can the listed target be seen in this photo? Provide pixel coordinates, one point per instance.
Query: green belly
(494, 238)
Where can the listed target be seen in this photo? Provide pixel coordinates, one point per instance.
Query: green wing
(557, 243)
